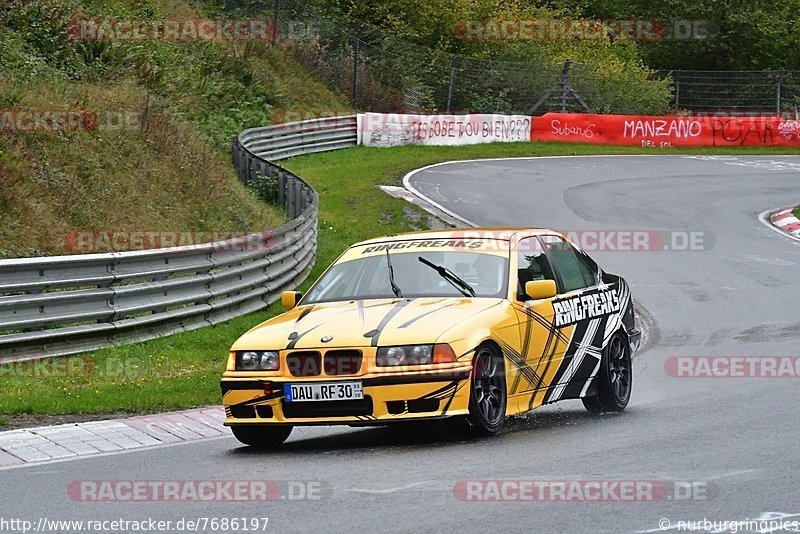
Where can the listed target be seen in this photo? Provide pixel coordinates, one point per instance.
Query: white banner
(395, 129)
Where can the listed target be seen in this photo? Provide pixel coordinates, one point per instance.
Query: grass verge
(154, 153)
(183, 370)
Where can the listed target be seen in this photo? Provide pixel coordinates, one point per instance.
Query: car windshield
(368, 277)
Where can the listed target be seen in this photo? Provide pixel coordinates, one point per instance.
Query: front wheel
(614, 380)
(487, 399)
(262, 437)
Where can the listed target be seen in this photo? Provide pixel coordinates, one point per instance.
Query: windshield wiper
(455, 280)
(395, 289)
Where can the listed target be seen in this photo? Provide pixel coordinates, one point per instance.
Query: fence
(765, 92)
(381, 72)
(69, 304)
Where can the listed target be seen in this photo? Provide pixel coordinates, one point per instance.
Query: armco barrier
(68, 304)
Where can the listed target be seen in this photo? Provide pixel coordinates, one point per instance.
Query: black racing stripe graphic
(578, 339)
(445, 376)
(573, 389)
(520, 364)
(551, 357)
(303, 313)
(452, 398)
(386, 318)
(427, 313)
(239, 385)
(549, 354)
(542, 320)
(260, 400)
(526, 348)
(470, 351)
(294, 337)
(617, 319)
(442, 392)
(554, 335)
(297, 337)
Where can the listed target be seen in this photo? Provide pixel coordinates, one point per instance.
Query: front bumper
(388, 397)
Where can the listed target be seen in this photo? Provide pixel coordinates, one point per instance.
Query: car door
(542, 344)
(580, 310)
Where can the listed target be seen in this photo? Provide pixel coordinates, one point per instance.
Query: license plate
(323, 391)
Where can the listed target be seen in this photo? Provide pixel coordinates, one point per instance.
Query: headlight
(251, 360)
(415, 355)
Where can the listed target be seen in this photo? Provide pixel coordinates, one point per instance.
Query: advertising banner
(665, 131)
(395, 129)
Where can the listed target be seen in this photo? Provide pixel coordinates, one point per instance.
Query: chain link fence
(378, 71)
(736, 92)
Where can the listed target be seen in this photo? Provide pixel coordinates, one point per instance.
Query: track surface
(741, 437)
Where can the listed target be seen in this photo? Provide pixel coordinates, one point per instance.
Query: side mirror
(540, 289)
(289, 299)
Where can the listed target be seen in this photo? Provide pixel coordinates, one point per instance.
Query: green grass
(181, 101)
(796, 212)
(183, 370)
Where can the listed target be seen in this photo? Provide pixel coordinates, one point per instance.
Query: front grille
(342, 362)
(304, 363)
(298, 410)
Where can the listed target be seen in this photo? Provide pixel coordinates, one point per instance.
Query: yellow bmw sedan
(471, 325)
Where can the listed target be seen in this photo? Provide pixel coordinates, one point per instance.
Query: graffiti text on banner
(666, 131)
(394, 129)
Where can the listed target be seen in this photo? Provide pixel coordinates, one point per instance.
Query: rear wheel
(262, 437)
(614, 380)
(487, 399)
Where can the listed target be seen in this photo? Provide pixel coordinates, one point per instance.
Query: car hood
(363, 323)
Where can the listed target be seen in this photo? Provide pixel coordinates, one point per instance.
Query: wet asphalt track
(738, 438)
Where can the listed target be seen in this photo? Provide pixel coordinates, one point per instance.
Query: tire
(262, 437)
(488, 397)
(614, 380)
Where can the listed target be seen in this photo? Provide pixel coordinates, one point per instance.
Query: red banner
(665, 131)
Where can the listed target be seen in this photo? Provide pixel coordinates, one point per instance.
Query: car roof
(502, 233)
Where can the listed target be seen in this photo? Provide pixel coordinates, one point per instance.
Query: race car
(470, 325)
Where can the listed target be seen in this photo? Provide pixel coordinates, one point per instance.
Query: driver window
(532, 265)
(575, 272)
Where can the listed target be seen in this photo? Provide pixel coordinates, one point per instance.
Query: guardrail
(54, 306)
